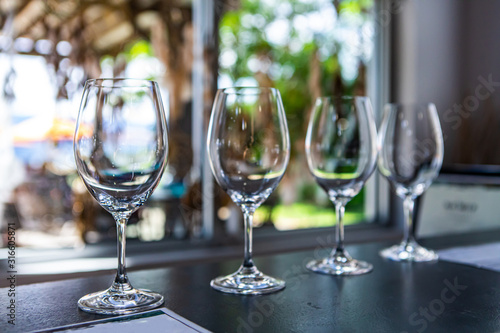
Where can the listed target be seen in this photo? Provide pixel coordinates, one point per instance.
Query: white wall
(442, 50)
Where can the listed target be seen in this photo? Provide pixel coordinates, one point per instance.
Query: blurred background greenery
(306, 49)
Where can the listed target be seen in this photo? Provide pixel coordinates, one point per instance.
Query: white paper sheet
(158, 320)
(484, 256)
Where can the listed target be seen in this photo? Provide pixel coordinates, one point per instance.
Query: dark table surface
(395, 297)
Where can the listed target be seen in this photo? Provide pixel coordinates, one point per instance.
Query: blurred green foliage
(278, 43)
(274, 43)
(303, 215)
(138, 49)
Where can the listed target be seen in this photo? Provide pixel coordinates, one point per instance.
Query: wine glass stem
(248, 217)
(408, 205)
(121, 274)
(339, 231)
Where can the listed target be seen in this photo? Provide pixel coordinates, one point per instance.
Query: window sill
(37, 266)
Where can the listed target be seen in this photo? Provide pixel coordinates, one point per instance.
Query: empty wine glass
(341, 154)
(410, 157)
(120, 148)
(249, 148)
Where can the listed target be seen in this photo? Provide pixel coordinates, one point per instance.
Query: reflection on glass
(249, 149)
(341, 154)
(121, 149)
(411, 155)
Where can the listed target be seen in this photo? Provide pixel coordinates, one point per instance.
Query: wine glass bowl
(410, 157)
(248, 148)
(120, 148)
(341, 154)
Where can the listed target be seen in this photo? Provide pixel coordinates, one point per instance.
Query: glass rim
(100, 82)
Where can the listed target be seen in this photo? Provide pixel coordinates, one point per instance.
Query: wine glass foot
(247, 281)
(339, 264)
(409, 251)
(113, 302)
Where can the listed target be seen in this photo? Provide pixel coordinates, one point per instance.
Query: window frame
(380, 206)
(379, 201)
